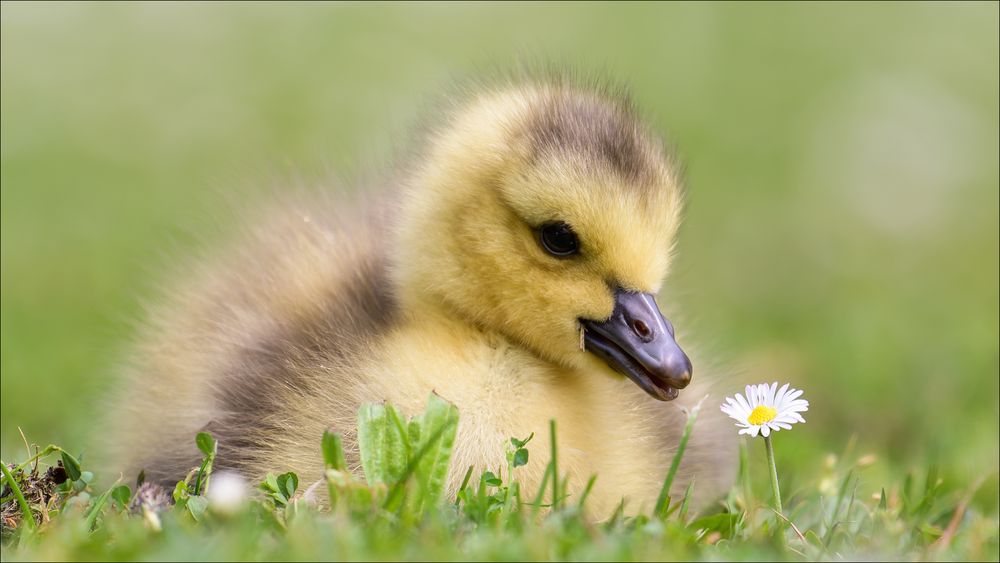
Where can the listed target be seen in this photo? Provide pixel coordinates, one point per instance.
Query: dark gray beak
(639, 343)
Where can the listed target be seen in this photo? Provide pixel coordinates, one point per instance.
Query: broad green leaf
(397, 422)
(333, 451)
(287, 484)
(206, 443)
(413, 433)
(271, 480)
(381, 443)
(71, 465)
(270, 485)
(196, 506)
(520, 457)
(371, 435)
(121, 494)
(180, 492)
(437, 430)
(491, 479)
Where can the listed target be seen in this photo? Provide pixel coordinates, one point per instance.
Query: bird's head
(543, 210)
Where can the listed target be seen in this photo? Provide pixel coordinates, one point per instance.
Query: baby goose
(514, 277)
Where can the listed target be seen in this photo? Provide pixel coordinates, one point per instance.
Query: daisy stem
(777, 492)
(774, 474)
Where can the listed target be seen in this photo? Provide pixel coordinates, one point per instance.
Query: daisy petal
(738, 408)
(743, 402)
(733, 415)
(780, 397)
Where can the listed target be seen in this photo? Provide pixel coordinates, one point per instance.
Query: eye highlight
(558, 239)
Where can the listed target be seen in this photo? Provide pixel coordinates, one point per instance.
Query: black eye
(558, 239)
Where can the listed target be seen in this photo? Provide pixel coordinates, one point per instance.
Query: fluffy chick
(536, 210)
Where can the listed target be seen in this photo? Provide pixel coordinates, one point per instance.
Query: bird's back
(304, 285)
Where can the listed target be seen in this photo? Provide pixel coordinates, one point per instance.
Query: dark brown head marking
(604, 131)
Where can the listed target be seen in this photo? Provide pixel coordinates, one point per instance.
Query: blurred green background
(842, 164)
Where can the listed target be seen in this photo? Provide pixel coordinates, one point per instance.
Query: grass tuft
(396, 510)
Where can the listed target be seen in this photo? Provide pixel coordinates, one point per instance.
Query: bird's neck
(433, 315)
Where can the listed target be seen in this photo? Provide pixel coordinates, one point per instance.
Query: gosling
(513, 273)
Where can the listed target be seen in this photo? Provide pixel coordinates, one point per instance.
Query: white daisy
(766, 408)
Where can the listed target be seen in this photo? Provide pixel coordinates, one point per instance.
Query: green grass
(397, 511)
(842, 228)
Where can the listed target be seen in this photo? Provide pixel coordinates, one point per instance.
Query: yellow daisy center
(762, 414)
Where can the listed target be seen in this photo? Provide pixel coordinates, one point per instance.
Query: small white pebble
(227, 492)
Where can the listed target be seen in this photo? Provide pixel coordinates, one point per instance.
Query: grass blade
(465, 483)
(586, 491)
(97, 506)
(663, 501)
(837, 503)
(682, 515)
(539, 499)
(554, 463)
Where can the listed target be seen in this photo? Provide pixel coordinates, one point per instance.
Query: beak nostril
(641, 328)
(684, 380)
